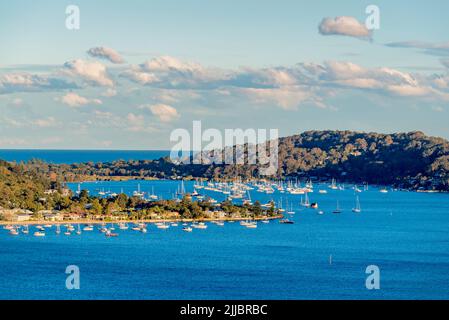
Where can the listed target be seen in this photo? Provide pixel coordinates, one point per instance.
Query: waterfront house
(15, 214)
(51, 215)
(20, 217)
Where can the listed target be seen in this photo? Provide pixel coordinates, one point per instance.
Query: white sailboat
(357, 208)
(138, 193)
(26, 230)
(152, 195)
(337, 209)
(306, 202)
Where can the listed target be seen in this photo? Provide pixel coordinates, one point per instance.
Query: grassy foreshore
(90, 221)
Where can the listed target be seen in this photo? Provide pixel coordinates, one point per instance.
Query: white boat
(39, 234)
(306, 202)
(187, 229)
(14, 232)
(357, 208)
(337, 209)
(252, 225)
(265, 221)
(58, 229)
(78, 232)
(200, 225)
(26, 230)
(163, 226)
(333, 185)
(383, 190)
(152, 195)
(88, 228)
(138, 193)
(123, 226)
(322, 191)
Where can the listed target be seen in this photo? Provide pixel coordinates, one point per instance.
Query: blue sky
(230, 64)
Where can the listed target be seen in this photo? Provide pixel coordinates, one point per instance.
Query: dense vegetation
(409, 160)
(26, 188)
(21, 187)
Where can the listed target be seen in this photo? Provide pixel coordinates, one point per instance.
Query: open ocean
(405, 234)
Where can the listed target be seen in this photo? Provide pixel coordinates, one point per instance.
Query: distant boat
(321, 212)
(39, 234)
(14, 232)
(26, 229)
(78, 232)
(314, 205)
(88, 228)
(333, 185)
(306, 202)
(291, 208)
(108, 234)
(138, 193)
(286, 221)
(357, 208)
(383, 190)
(187, 229)
(322, 191)
(58, 229)
(152, 195)
(337, 209)
(123, 226)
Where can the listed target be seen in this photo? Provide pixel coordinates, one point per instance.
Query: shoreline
(96, 222)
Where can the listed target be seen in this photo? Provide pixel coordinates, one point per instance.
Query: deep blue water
(405, 234)
(76, 156)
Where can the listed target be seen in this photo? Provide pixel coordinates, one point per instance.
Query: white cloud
(289, 98)
(45, 122)
(26, 82)
(164, 112)
(169, 72)
(91, 71)
(75, 100)
(344, 26)
(109, 93)
(135, 122)
(438, 49)
(106, 53)
(11, 142)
